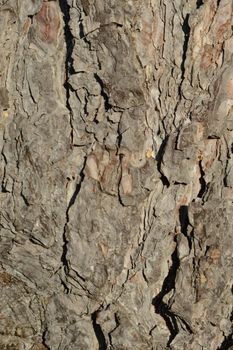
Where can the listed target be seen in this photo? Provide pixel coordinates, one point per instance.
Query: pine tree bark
(116, 174)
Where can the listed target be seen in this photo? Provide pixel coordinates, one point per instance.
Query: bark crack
(159, 158)
(3, 184)
(69, 69)
(227, 343)
(117, 321)
(164, 309)
(185, 223)
(186, 31)
(103, 93)
(199, 3)
(44, 340)
(64, 259)
(160, 306)
(98, 331)
(202, 182)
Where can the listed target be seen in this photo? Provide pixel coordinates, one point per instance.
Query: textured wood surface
(116, 167)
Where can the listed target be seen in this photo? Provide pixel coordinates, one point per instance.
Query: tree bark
(116, 174)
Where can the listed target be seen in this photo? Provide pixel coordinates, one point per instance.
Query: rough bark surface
(116, 141)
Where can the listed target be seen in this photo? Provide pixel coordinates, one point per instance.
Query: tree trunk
(116, 174)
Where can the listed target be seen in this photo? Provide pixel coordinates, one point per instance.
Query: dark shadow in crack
(184, 219)
(69, 39)
(98, 332)
(159, 158)
(184, 223)
(199, 3)
(227, 343)
(160, 306)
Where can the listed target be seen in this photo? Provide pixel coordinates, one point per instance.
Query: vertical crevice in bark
(83, 35)
(227, 343)
(69, 69)
(160, 306)
(159, 159)
(183, 217)
(98, 332)
(202, 181)
(71, 202)
(44, 341)
(103, 93)
(64, 251)
(78, 187)
(3, 187)
(184, 223)
(69, 39)
(117, 321)
(228, 340)
(186, 31)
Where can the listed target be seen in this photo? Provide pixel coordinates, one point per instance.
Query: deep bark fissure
(184, 219)
(227, 343)
(159, 159)
(186, 31)
(103, 93)
(3, 187)
(184, 223)
(24, 199)
(202, 182)
(121, 156)
(228, 340)
(44, 340)
(117, 321)
(65, 249)
(160, 306)
(82, 34)
(78, 186)
(199, 3)
(71, 202)
(98, 332)
(69, 40)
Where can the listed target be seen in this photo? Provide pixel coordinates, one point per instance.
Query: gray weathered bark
(116, 174)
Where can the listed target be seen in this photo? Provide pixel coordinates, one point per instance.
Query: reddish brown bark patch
(49, 22)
